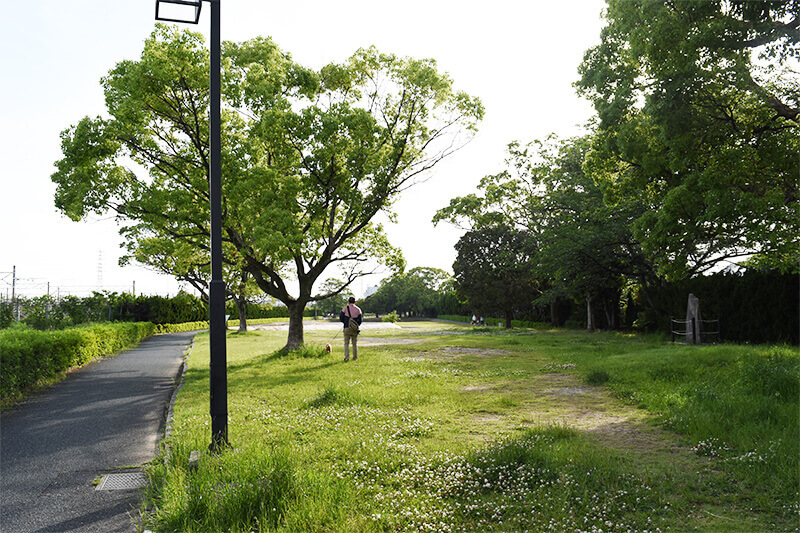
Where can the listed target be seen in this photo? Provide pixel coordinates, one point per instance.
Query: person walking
(351, 316)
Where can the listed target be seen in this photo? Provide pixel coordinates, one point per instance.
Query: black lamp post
(189, 11)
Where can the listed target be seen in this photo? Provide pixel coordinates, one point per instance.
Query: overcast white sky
(519, 56)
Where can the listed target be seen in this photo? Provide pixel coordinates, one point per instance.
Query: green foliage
(47, 312)
(416, 292)
(256, 311)
(6, 314)
(334, 303)
(309, 158)
(494, 270)
(391, 317)
(752, 306)
(696, 130)
(27, 356)
(584, 243)
(183, 326)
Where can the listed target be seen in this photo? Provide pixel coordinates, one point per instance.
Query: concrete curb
(174, 398)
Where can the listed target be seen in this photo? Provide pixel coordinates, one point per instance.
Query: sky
(520, 57)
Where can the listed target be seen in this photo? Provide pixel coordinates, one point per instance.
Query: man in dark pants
(351, 316)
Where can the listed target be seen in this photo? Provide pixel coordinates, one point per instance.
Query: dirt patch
(476, 388)
(560, 399)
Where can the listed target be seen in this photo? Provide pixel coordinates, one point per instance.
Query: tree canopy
(583, 246)
(309, 158)
(698, 119)
(494, 270)
(691, 163)
(416, 291)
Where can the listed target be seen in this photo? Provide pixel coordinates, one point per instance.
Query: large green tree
(698, 120)
(309, 158)
(494, 271)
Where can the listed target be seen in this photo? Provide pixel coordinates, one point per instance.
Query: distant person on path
(351, 317)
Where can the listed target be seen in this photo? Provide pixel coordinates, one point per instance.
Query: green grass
(448, 428)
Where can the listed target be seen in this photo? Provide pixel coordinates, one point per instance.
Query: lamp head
(178, 10)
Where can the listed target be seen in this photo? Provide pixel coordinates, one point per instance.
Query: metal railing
(699, 335)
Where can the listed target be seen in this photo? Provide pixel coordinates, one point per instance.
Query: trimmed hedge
(26, 356)
(161, 329)
(29, 355)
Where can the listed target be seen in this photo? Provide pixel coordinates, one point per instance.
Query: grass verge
(449, 428)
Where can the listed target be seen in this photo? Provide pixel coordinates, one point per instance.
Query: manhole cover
(127, 481)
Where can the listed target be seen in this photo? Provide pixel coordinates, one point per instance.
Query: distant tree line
(47, 312)
(756, 306)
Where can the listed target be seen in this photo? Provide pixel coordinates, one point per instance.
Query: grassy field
(443, 427)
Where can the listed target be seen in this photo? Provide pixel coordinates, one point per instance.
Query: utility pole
(100, 270)
(14, 291)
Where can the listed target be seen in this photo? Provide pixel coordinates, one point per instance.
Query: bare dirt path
(557, 398)
(564, 400)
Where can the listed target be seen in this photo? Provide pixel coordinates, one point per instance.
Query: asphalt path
(104, 418)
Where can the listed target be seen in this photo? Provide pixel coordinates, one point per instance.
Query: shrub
(391, 317)
(177, 328)
(27, 356)
(308, 351)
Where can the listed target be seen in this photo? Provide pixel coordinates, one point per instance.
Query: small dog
(328, 348)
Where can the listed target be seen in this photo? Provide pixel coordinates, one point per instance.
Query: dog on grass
(328, 348)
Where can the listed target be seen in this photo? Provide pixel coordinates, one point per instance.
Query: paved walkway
(104, 418)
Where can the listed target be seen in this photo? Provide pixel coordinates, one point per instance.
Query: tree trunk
(589, 313)
(508, 316)
(611, 314)
(295, 339)
(241, 307)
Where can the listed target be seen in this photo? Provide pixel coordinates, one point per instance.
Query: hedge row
(26, 356)
(177, 328)
(192, 326)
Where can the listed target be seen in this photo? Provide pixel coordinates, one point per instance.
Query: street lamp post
(189, 11)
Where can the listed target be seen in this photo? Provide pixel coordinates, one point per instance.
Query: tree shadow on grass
(246, 372)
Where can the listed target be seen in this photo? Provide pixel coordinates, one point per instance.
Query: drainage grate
(128, 481)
